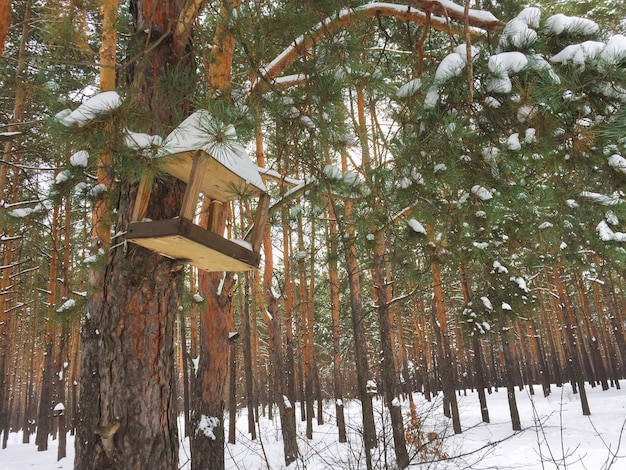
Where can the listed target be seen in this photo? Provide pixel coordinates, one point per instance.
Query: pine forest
(280, 206)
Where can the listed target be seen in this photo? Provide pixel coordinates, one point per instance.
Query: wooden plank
(190, 200)
(143, 197)
(260, 220)
(218, 182)
(215, 213)
(180, 239)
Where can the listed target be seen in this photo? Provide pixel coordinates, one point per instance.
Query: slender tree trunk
(615, 317)
(281, 375)
(509, 366)
(46, 398)
(333, 274)
(307, 334)
(593, 339)
(182, 330)
(247, 357)
(389, 372)
(207, 415)
(571, 326)
(479, 375)
(232, 390)
(9, 154)
(446, 360)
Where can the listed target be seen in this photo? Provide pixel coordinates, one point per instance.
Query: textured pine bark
(274, 322)
(127, 403)
(130, 421)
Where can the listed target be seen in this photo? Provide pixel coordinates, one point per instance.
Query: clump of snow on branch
(287, 402)
(481, 193)
(618, 163)
(80, 158)
(95, 107)
(61, 177)
(563, 24)
(409, 89)
(518, 32)
(608, 235)
(615, 50)
(67, 305)
(333, 172)
(142, 141)
(451, 66)
(579, 54)
(417, 226)
(498, 268)
(602, 199)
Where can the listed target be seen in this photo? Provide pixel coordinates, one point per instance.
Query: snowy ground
(556, 436)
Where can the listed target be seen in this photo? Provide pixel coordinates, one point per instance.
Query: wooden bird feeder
(203, 153)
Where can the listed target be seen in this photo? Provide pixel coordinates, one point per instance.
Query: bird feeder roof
(203, 136)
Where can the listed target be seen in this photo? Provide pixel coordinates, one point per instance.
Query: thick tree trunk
(127, 401)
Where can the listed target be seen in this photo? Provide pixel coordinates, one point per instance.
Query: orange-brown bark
(5, 21)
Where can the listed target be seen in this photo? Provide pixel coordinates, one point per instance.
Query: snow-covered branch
(422, 12)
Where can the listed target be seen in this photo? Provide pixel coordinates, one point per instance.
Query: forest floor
(555, 436)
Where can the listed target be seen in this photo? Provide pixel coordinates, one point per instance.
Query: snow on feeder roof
(230, 171)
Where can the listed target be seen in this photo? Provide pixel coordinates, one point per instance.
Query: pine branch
(348, 17)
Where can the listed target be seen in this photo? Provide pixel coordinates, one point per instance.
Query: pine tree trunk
(360, 351)
(44, 414)
(232, 393)
(285, 405)
(207, 416)
(479, 374)
(447, 370)
(127, 401)
(571, 327)
(185, 370)
(333, 274)
(247, 357)
(389, 372)
(6, 296)
(509, 366)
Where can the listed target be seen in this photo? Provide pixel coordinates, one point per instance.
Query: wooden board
(217, 182)
(180, 239)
